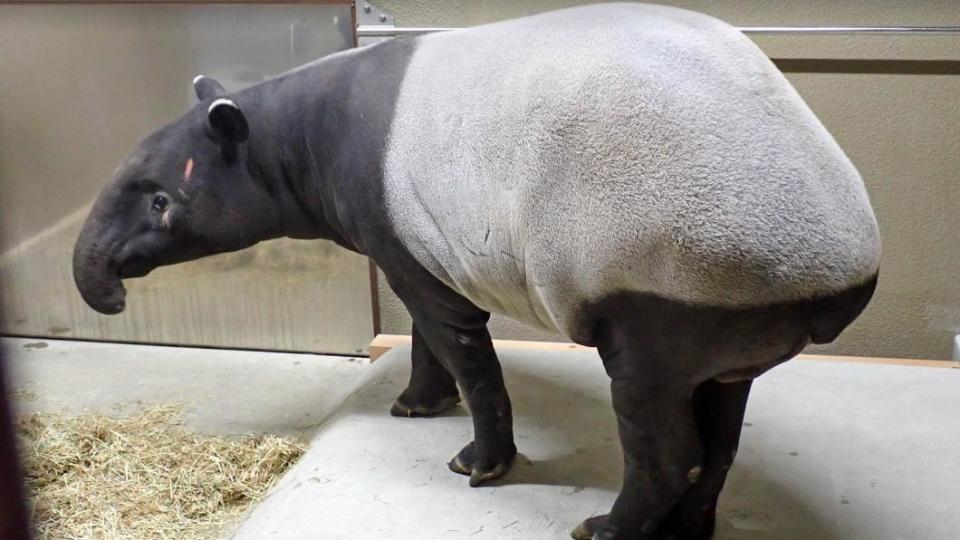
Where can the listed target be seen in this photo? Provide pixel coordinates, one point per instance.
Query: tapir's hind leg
(432, 390)
(662, 449)
(719, 410)
(662, 458)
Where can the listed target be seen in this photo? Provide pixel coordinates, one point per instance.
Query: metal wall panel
(79, 87)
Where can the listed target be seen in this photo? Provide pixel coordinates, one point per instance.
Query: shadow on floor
(753, 507)
(570, 420)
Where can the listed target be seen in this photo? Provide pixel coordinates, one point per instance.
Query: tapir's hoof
(402, 409)
(464, 463)
(595, 528)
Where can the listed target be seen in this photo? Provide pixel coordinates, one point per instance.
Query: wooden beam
(941, 364)
(384, 342)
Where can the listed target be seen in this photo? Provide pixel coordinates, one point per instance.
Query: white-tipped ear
(207, 88)
(222, 102)
(227, 121)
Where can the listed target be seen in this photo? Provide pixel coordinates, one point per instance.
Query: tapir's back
(539, 164)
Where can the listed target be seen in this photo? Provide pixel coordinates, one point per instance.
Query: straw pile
(144, 476)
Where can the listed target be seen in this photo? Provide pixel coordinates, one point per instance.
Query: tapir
(638, 178)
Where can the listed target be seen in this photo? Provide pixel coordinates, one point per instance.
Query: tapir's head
(184, 193)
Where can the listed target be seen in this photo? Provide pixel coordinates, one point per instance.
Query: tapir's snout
(96, 270)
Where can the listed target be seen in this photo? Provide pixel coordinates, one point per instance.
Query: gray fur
(539, 164)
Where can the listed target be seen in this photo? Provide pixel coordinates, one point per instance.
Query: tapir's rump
(539, 164)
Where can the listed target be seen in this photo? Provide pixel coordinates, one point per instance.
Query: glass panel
(81, 85)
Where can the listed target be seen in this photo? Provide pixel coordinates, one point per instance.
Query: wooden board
(384, 342)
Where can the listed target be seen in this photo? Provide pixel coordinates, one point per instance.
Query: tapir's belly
(663, 159)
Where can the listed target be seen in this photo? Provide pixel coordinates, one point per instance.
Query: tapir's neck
(318, 137)
(278, 154)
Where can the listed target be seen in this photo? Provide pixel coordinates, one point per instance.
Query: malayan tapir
(637, 178)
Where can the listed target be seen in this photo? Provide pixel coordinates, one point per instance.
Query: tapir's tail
(840, 310)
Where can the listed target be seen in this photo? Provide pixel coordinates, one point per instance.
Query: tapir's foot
(596, 528)
(409, 406)
(696, 525)
(482, 470)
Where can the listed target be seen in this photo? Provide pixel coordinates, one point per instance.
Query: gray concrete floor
(222, 391)
(830, 450)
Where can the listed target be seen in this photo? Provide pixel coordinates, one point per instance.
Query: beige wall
(892, 102)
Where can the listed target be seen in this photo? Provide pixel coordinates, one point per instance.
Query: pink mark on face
(188, 170)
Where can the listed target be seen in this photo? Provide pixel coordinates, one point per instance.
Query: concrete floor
(829, 451)
(223, 391)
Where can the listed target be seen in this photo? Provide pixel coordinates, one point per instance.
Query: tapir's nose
(95, 270)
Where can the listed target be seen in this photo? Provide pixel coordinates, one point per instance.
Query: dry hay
(144, 476)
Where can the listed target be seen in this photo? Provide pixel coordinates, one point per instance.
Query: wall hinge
(370, 16)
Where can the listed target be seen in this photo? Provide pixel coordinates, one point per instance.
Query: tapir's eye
(159, 203)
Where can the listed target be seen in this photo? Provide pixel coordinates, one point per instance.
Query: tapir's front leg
(431, 390)
(467, 351)
(455, 330)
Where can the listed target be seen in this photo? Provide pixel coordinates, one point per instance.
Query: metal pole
(852, 30)
(388, 31)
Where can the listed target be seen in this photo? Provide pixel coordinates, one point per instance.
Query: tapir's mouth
(135, 267)
(113, 302)
(111, 299)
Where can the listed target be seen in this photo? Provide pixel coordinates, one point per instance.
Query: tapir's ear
(227, 122)
(207, 88)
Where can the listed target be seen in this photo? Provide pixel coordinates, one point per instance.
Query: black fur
(679, 424)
